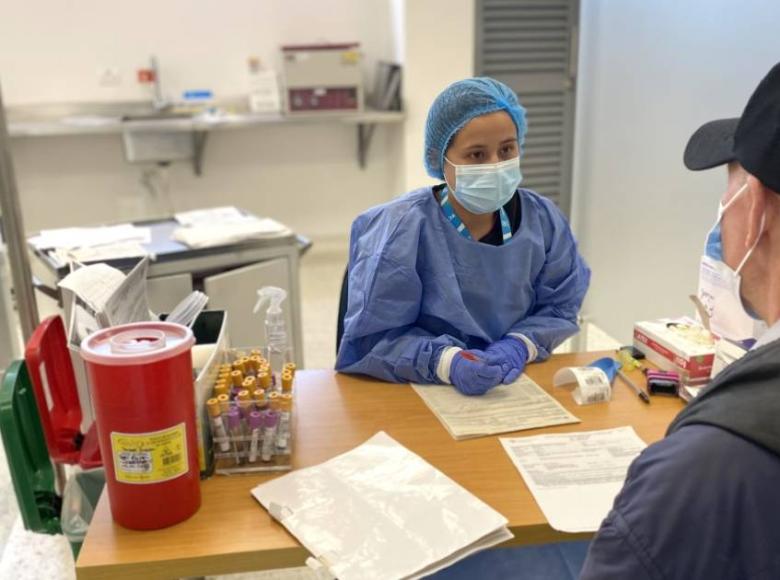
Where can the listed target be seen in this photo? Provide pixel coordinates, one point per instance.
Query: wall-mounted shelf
(83, 119)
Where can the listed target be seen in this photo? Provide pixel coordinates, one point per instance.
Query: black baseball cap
(752, 139)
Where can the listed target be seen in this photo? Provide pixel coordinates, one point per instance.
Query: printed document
(505, 408)
(574, 477)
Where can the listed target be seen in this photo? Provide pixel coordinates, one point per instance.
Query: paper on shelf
(380, 511)
(521, 405)
(204, 235)
(574, 477)
(211, 215)
(69, 238)
(100, 253)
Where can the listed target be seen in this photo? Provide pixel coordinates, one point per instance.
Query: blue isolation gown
(416, 287)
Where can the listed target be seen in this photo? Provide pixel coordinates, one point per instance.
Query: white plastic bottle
(278, 348)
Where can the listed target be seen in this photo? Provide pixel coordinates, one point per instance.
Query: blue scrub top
(416, 286)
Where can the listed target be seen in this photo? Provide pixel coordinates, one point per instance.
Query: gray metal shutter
(531, 45)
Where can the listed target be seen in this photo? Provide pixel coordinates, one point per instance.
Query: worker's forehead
(494, 127)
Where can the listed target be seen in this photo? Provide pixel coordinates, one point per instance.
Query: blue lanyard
(449, 212)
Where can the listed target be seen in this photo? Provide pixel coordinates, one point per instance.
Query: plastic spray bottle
(279, 350)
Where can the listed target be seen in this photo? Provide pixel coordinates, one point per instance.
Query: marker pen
(217, 424)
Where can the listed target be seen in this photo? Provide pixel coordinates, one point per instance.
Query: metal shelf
(84, 119)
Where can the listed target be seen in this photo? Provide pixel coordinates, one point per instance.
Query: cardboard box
(677, 344)
(210, 330)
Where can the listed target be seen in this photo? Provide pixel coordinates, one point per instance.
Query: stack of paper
(521, 405)
(220, 226)
(380, 511)
(574, 477)
(101, 296)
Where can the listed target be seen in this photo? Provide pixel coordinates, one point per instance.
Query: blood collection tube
(270, 420)
(217, 424)
(287, 382)
(255, 434)
(234, 427)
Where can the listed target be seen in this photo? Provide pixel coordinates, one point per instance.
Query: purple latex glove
(471, 375)
(511, 354)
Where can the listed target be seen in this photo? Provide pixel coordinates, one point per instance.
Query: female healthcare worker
(464, 282)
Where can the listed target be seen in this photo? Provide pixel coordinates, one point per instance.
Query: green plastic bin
(31, 470)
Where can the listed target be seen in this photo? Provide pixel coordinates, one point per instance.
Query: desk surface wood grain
(232, 533)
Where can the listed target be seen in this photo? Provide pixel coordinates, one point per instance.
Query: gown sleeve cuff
(445, 362)
(533, 352)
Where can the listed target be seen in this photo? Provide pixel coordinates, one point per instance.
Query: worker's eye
(509, 151)
(477, 156)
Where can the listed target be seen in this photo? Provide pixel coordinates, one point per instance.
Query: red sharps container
(141, 381)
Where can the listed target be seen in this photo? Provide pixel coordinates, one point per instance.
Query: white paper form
(521, 405)
(574, 477)
(103, 296)
(380, 511)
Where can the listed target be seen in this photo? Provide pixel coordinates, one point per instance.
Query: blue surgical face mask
(720, 286)
(487, 187)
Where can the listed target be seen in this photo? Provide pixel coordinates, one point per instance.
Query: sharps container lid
(136, 343)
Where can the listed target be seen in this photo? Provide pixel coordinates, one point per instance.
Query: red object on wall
(141, 379)
(146, 76)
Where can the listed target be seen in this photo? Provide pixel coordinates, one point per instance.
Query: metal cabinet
(230, 275)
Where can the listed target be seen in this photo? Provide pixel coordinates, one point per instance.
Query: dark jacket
(704, 503)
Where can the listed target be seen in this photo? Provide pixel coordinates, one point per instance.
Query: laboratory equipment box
(323, 78)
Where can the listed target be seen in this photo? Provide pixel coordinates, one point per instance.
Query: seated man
(703, 503)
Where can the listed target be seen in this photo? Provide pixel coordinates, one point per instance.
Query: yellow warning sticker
(150, 457)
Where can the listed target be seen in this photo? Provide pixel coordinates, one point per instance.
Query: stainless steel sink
(154, 137)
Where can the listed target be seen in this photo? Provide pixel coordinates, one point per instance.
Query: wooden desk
(233, 533)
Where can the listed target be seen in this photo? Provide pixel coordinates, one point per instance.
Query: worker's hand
(511, 354)
(471, 375)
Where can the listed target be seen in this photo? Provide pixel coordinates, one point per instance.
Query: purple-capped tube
(234, 427)
(255, 422)
(270, 420)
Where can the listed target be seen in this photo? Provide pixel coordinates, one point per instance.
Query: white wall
(438, 50)
(650, 74)
(304, 175)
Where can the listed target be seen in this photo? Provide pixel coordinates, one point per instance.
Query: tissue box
(677, 344)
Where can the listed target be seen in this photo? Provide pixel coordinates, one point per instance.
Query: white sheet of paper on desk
(521, 405)
(380, 511)
(574, 477)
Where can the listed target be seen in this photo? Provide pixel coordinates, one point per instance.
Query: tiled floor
(34, 557)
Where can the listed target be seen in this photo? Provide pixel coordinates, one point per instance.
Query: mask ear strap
(730, 202)
(753, 247)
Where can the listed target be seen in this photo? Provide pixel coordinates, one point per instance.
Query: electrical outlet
(109, 76)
